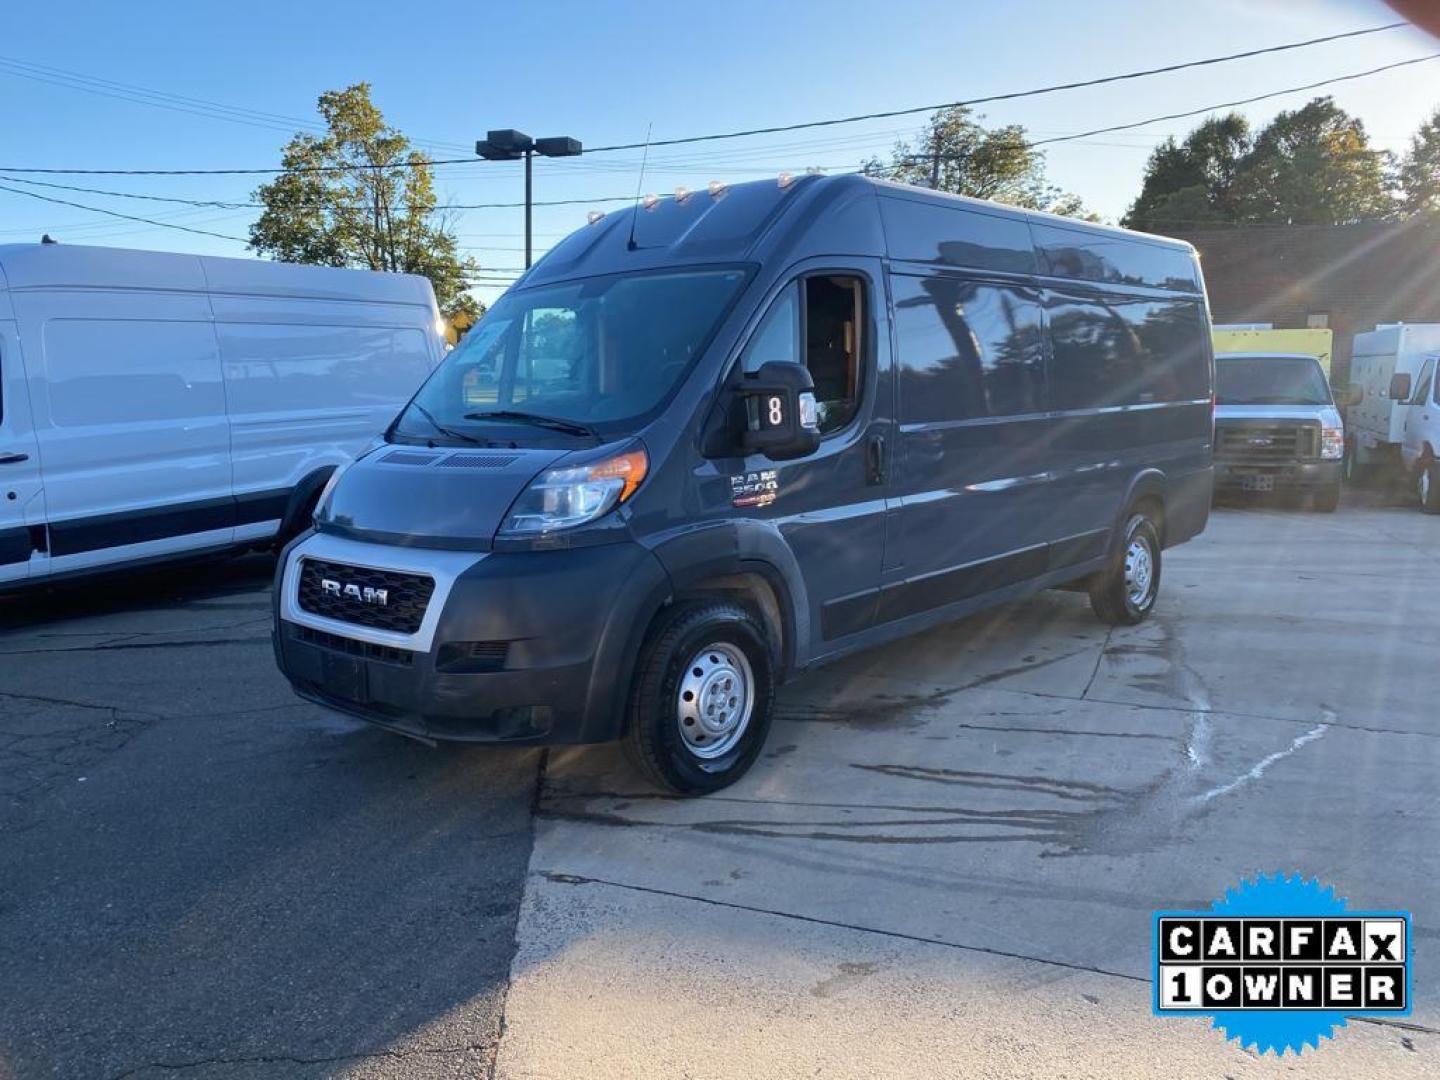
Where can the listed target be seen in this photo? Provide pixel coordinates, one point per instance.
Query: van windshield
(601, 352)
(1269, 380)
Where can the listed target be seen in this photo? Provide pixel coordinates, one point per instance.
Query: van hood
(1327, 415)
(414, 496)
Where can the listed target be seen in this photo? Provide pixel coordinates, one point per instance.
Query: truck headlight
(1332, 443)
(573, 495)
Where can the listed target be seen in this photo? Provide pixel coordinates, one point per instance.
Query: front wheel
(1123, 594)
(1429, 486)
(703, 696)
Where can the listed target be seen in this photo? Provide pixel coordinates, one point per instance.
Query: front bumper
(517, 647)
(1287, 476)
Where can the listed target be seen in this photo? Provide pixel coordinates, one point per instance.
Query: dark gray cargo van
(705, 444)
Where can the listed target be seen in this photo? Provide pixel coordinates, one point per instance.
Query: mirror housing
(1400, 386)
(776, 413)
(1350, 396)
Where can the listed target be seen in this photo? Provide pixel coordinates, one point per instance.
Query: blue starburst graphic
(1196, 976)
(1266, 1030)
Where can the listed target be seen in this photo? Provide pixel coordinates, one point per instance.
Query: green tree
(1192, 183)
(360, 196)
(1313, 166)
(1419, 173)
(958, 154)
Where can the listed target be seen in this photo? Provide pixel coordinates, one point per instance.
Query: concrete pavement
(947, 864)
(944, 865)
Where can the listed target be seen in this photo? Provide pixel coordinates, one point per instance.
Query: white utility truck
(1385, 365)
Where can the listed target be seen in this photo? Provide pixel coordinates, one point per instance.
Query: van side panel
(129, 414)
(308, 384)
(1129, 382)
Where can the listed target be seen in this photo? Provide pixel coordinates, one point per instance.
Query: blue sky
(444, 72)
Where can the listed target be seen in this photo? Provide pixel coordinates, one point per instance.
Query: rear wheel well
(1154, 507)
(754, 591)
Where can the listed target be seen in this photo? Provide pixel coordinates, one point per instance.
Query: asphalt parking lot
(945, 864)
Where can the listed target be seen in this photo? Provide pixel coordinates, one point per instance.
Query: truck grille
(382, 599)
(1264, 443)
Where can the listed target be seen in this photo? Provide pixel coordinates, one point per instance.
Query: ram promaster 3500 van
(713, 441)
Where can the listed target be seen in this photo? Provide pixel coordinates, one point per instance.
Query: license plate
(1258, 483)
(345, 677)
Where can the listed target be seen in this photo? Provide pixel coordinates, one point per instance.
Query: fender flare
(302, 497)
(744, 547)
(1148, 483)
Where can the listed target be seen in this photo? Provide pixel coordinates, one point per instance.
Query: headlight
(1332, 443)
(565, 497)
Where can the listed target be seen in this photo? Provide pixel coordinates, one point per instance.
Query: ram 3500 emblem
(351, 591)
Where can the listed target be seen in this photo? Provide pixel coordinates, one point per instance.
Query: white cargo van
(1377, 423)
(155, 406)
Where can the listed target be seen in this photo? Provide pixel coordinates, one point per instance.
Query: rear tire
(1428, 486)
(1326, 499)
(702, 700)
(1124, 594)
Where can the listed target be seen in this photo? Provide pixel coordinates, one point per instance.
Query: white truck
(1387, 426)
(156, 406)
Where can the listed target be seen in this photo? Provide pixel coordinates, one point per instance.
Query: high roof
(34, 266)
(811, 216)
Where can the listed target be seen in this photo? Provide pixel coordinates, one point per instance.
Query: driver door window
(817, 321)
(1422, 388)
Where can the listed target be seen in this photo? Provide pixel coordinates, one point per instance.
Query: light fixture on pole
(511, 145)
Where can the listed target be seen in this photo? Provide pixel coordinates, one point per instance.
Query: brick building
(1346, 277)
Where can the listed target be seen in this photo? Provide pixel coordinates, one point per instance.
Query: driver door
(830, 506)
(1420, 414)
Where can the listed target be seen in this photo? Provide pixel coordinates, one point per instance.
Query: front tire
(1429, 486)
(1124, 594)
(703, 696)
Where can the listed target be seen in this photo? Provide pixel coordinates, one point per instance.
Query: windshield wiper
(555, 423)
(450, 432)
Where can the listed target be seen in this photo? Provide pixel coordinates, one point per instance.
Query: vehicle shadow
(149, 589)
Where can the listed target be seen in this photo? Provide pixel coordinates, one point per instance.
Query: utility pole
(510, 145)
(935, 160)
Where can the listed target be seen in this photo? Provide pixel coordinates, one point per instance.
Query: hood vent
(478, 461)
(409, 457)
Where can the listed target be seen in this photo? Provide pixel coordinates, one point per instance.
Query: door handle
(13, 459)
(875, 459)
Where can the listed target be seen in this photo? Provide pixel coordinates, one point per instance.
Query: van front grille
(1264, 443)
(382, 599)
(385, 654)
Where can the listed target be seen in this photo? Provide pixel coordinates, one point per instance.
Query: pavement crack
(581, 881)
(1099, 660)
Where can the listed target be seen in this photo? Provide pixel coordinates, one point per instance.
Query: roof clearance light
(786, 179)
(649, 202)
(595, 216)
(814, 170)
(682, 193)
(716, 188)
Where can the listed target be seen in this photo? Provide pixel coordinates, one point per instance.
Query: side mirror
(777, 415)
(1400, 387)
(1350, 396)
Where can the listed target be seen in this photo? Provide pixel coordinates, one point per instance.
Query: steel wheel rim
(714, 700)
(1139, 572)
(1425, 484)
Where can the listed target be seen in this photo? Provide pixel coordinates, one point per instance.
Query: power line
(90, 84)
(772, 130)
(126, 217)
(1241, 101)
(1057, 87)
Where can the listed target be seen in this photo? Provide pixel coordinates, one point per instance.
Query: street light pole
(511, 145)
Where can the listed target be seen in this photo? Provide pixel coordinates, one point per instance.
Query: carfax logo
(1280, 962)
